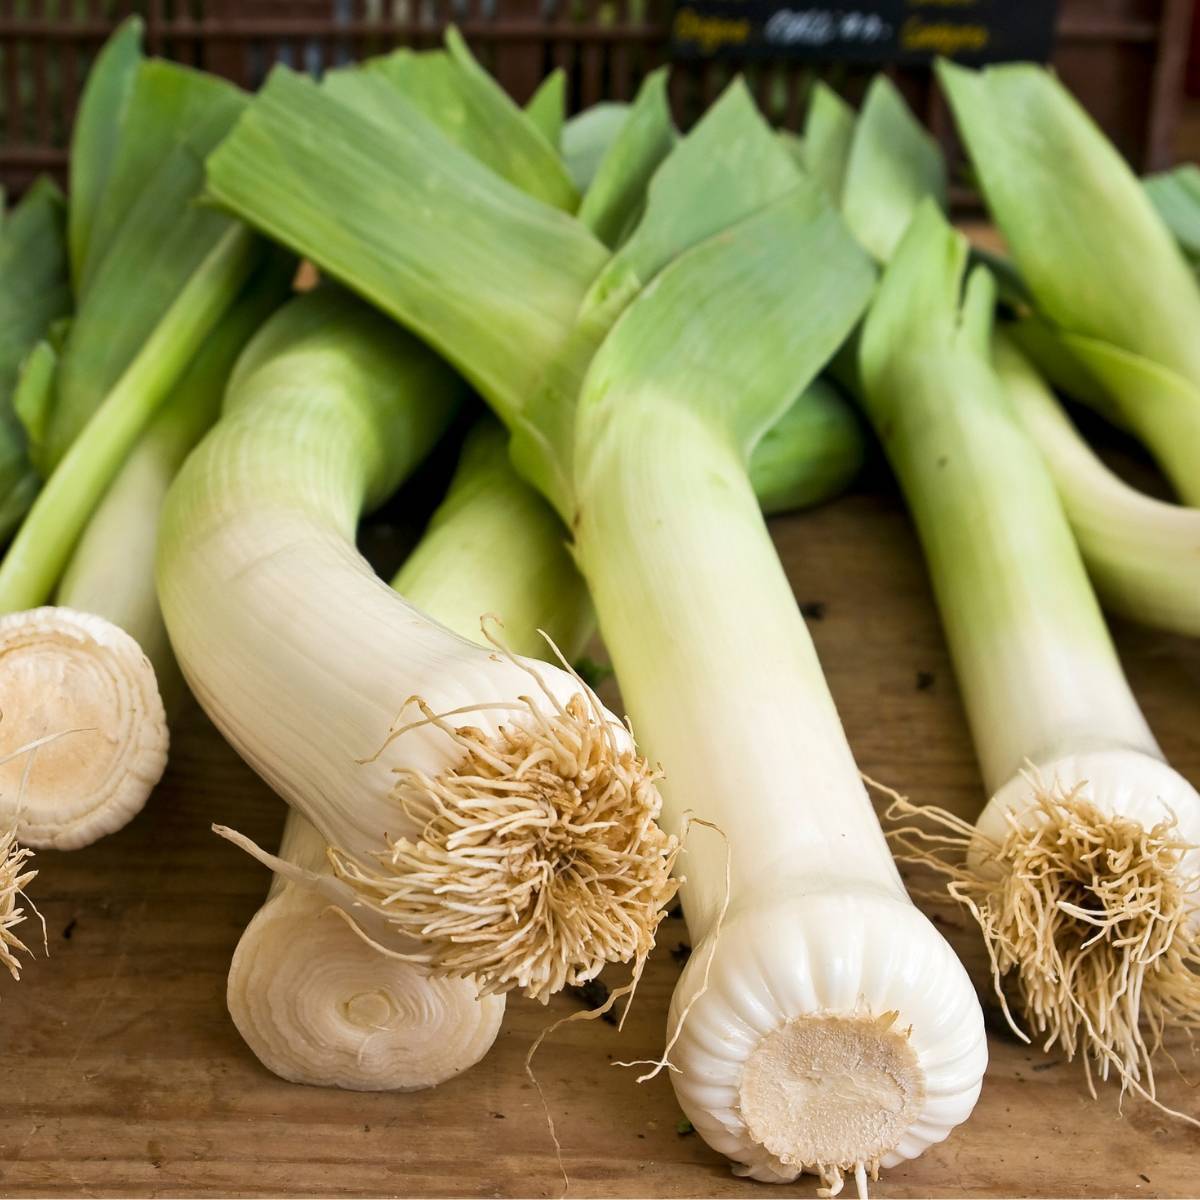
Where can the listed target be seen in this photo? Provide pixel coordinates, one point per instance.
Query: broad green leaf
(34, 288)
(587, 137)
(33, 403)
(616, 194)
(734, 328)
(1093, 252)
(489, 276)
(547, 107)
(170, 106)
(466, 106)
(96, 134)
(1176, 196)
(732, 159)
(892, 166)
(162, 242)
(34, 293)
(828, 134)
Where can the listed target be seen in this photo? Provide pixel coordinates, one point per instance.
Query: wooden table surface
(121, 1073)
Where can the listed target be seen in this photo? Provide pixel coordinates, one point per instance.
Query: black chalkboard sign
(865, 31)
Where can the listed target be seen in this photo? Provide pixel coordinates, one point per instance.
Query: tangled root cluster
(15, 876)
(539, 857)
(1085, 914)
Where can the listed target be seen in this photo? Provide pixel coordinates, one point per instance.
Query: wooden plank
(124, 1076)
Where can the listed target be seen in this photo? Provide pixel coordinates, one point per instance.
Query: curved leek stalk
(480, 802)
(1079, 870)
(88, 665)
(1105, 274)
(1143, 554)
(370, 1022)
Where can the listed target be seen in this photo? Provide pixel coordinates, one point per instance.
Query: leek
(669, 360)
(366, 1021)
(1126, 538)
(1108, 281)
(1078, 870)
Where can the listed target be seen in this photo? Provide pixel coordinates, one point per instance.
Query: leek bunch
(638, 345)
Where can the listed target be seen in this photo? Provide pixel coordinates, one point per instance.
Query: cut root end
(1087, 919)
(832, 1094)
(539, 859)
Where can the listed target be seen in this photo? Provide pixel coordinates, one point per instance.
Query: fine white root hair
(15, 877)
(16, 874)
(539, 857)
(1086, 917)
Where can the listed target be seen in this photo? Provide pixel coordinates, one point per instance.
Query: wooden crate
(1124, 58)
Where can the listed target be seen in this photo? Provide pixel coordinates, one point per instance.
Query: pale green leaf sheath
(411, 749)
(1102, 267)
(725, 689)
(1143, 554)
(1081, 869)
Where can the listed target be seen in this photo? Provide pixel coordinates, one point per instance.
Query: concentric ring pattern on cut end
(317, 1005)
(838, 1032)
(84, 689)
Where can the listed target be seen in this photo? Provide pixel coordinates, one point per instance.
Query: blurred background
(1134, 63)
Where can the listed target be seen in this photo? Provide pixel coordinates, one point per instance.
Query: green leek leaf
(547, 107)
(97, 134)
(892, 166)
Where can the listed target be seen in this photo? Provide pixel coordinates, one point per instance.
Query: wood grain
(122, 1074)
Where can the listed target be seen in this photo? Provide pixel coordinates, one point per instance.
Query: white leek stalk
(480, 802)
(1143, 554)
(838, 1032)
(826, 1025)
(86, 667)
(1081, 870)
